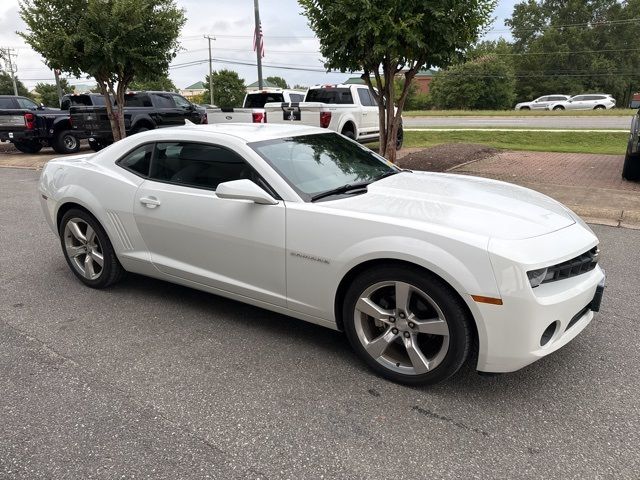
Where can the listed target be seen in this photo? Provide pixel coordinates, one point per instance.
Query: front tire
(88, 251)
(525, 108)
(407, 325)
(29, 146)
(65, 142)
(558, 107)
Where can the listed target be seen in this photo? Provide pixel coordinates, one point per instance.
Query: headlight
(536, 277)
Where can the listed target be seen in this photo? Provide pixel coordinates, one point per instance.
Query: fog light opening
(549, 332)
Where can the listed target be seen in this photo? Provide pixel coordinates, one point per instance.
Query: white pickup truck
(348, 109)
(252, 110)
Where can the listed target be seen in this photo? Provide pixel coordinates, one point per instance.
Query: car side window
(181, 102)
(543, 99)
(198, 165)
(26, 103)
(7, 103)
(579, 98)
(139, 160)
(163, 100)
(365, 97)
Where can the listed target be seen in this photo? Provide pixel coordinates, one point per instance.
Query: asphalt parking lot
(153, 380)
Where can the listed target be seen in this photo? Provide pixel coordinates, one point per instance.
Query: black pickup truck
(30, 126)
(142, 111)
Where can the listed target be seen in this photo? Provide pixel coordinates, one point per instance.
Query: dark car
(142, 111)
(631, 167)
(30, 126)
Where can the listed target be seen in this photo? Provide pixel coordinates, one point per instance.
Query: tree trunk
(110, 114)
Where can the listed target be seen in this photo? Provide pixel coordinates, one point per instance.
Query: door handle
(150, 202)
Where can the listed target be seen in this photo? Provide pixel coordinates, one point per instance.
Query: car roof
(248, 132)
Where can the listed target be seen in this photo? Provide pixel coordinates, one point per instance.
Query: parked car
(142, 111)
(252, 110)
(348, 109)
(541, 103)
(591, 101)
(420, 270)
(30, 126)
(634, 101)
(631, 166)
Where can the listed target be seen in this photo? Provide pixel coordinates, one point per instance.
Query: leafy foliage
(596, 54)
(386, 37)
(48, 92)
(113, 41)
(6, 85)
(279, 81)
(228, 88)
(159, 83)
(486, 83)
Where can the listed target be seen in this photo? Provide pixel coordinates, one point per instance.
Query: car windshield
(315, 165)
(257, 100)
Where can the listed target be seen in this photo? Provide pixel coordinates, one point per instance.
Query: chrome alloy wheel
(70, 142)
(401, 327)
(83, 248)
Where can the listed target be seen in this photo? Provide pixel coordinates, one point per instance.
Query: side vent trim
(120, 230)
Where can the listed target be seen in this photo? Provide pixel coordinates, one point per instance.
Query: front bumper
(524, 330)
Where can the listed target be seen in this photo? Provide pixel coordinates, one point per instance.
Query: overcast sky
(288, 42)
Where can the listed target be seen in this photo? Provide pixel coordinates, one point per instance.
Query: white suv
(541, 103)
(592, 101)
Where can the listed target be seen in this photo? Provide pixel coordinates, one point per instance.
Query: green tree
(384, 38)
(486, 83)
(575, 47)
(228, 88)
(159, 83)
(278, 81)
(48, 92)
(6, 86)
(114, 41)
(297, 86)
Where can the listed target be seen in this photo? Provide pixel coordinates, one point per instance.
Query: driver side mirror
(244, 190)
(40, 107)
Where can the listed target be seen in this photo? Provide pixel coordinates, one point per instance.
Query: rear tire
(65, 142)
(29, 146)
(631, 166)
(140, 130)
(85, 245)
(400, 138)
(558, 107)
(349, 133)
(421, 340)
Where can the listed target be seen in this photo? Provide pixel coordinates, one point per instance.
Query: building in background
(197, 88)
(422, 80)
(265, 84)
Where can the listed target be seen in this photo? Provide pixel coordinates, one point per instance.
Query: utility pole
(56, 73)
(11, 68)
(258, 35)
(208, 37)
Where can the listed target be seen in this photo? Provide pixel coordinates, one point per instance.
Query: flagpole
(258, 33)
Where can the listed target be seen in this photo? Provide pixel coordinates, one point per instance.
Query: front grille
(576, 266)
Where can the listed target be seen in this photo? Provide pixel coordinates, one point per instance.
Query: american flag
(258, 40)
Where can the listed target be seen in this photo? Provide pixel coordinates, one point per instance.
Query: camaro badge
(310, 257)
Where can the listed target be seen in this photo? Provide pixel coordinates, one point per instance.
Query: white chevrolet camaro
(422, 271)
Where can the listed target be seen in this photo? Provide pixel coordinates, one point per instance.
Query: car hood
(470, 204)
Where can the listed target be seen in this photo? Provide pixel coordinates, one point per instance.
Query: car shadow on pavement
(333, 345)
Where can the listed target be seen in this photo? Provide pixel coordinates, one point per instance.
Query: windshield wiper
(349, 187)
(388, 174)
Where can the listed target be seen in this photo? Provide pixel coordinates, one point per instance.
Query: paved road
(149, 380)
(562, 122)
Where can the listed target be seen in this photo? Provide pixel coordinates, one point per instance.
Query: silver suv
(541, 103)
(590, 101)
